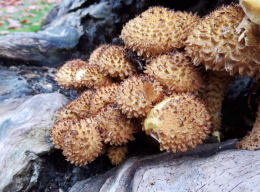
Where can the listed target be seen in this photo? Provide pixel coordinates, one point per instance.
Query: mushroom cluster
(177, 101)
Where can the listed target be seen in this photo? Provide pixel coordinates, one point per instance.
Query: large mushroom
(178, 122)
(157, 30)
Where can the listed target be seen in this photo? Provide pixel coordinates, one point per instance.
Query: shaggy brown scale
(215, 43)
(116, 154)
(175, 72)
(59, 131)
(104, 95)
(114, 127)
(96, 54)
(82, 142)
(65, 113)
(157, 30)
(136, 95)
(178, 122)
(114, 62)
(81, 105)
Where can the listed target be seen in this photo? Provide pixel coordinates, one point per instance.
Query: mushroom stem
(213, 95)
(252, 140)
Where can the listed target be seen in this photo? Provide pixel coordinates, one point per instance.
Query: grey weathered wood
(24, 131)
(202, 170)
(57, 40)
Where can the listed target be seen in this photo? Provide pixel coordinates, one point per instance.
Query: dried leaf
(24, 21)
(13, 24)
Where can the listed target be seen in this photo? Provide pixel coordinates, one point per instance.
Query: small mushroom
(137, 94)
(114, 127)
(113, 62)
(175, 72)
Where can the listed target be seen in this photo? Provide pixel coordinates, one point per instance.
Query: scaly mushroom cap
(252, 140)
(178, 122)
(90, 76)
(136, 95)
(81, 105)
(252, 9)
(94, 57)
(59, 131)
(114, 127)
(66, 74)
(82, 142)
(114, 62)
(116, 154)
(104, 95)
(215, 43)
(175, 72)
(157, 30)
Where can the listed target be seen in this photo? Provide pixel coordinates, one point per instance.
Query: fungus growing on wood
(114, 62)
(175, 72)
(178, 122)
(104, 95)
(114, 127)
(66, 74)
(136, 95)
(216, 44)
(82, 142)
(157, 30)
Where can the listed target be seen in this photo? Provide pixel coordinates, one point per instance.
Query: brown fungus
(136, 95)
(175, 72)
(157, 30)
(115, 128)
(178, 122)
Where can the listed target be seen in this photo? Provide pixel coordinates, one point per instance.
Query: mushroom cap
(251, 141)
(82, 142)
(178, 122)
(90, 76)
(59, 131)
(66, 74)
(116, 154)
(215, 43)
(157, 30)
(94, 57)
(175, 72)
(252, 9)
(136, 95)
(115, 128)
(81, 105)
(114, 62)
(104, 95)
